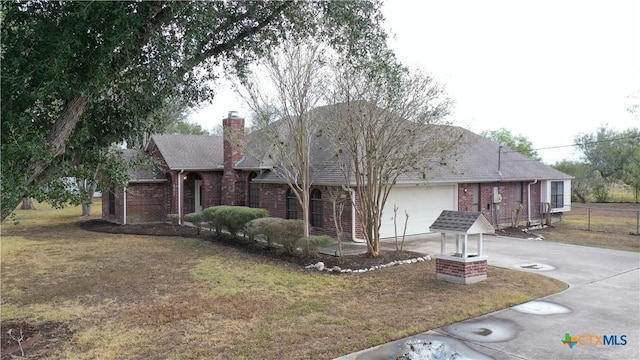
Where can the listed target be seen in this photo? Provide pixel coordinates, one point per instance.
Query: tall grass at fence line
(617, 194)
(619, 218)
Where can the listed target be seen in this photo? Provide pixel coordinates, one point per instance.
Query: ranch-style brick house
(198, 171)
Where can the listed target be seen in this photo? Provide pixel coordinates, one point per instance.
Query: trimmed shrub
(236, 217)
(232, 218)
(256, 227)
(196, 219)
(211, 217)
(285, 232)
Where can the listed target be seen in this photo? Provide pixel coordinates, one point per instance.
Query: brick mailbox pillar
(462, 266)
(460, 270)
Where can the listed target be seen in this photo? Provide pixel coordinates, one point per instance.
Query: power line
(581, 144)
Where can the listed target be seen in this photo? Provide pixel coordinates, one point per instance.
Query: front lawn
(114, 296)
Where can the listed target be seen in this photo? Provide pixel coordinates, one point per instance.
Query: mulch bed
(359, 261)
(516, 232)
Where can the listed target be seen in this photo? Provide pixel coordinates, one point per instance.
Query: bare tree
(282, 101)
(338, 198)
(386, 128)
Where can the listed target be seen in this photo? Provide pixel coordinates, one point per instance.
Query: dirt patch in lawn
(19, 337)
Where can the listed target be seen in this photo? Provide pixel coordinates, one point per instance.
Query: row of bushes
(256, 224)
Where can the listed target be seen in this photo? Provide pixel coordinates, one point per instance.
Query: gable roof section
(189, 152)
(141, 174)
(325, 169)
(465, 222)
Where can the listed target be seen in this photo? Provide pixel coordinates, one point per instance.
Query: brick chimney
(233, 133)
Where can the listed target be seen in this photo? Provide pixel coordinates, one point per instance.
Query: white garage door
(423, 204)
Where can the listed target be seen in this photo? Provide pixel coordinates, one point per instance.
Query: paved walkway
(601, 306)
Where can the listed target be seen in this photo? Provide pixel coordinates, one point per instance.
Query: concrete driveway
(600, 311)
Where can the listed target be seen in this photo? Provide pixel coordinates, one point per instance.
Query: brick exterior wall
(211, 191)
(153, 201)
(461, 272)
(273, 198)
(233, 129)
(118, 215)
(146, 203)
(512, 193)
(461, 269)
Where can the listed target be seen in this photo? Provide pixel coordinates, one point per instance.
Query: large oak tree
(79, 76)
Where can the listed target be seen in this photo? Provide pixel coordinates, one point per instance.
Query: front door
(198, 195)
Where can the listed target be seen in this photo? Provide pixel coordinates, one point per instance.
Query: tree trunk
(58, 136)
(56, 139)
(86, 209)
(27, 204)
(87, 189)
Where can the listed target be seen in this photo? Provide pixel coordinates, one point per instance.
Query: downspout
(353, 217)
(124, 218)
(180, 185)
(529, 201)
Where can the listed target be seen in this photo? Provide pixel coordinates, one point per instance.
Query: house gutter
(180, 185)
(529, 200)
(124, 218)
(353, 218)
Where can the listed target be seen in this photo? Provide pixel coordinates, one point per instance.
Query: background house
(198, 171)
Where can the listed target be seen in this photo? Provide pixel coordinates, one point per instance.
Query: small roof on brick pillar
(462, 223)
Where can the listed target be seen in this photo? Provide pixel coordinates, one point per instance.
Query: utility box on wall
(496, 196)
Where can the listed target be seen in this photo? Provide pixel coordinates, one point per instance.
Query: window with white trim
(557, 194)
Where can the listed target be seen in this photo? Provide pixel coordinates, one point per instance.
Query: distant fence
(601, 218)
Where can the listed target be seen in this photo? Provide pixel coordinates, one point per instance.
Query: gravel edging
(337, 269)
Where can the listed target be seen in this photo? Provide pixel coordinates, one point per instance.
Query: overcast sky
(547, 70)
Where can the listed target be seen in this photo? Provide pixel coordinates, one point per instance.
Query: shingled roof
(469, 222)
(481, 160)
(142, 173)
(476, 160)
(189, 152)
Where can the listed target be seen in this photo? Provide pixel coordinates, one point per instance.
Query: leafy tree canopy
(79, 76)
(615, 155)
(185, 127)
(517, 143)
(585, 180)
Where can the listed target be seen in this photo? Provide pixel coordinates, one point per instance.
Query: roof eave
(139, 181)
(179, 168)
